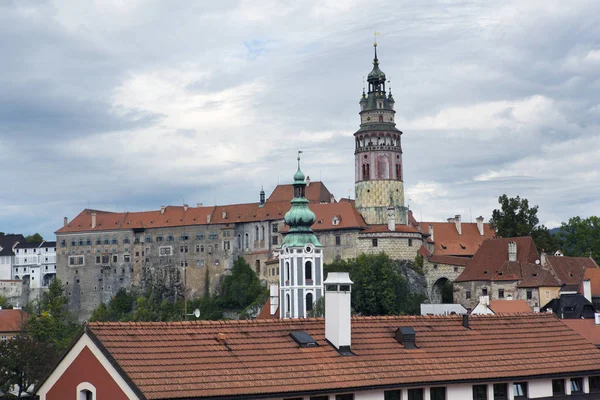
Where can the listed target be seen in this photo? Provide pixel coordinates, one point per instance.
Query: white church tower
(300, 257)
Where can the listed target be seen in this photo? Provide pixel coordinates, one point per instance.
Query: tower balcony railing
(376, 147)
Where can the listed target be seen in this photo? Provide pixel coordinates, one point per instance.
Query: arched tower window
(398, 172)
(381, 118)
(86, 391)
(308, 271)
(309, 301)
(262, 233)
(239, 241)
(256, 234)
(247, 240)
(288, 303)
(257, 267)
(383, 171)
(287, 272)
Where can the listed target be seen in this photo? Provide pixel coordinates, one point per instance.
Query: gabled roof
(491, 260)
(593, 274)
(570, 269)
(509, 306)
(534, 276)
(259, 358)
(447, 241)
(12, 320)
(316, 192)
(448, 260)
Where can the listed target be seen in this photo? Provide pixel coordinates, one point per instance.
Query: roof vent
(303, 339)
(405, 335)
(465, 321)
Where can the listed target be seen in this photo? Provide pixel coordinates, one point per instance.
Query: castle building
(300, 257)
(378, 154)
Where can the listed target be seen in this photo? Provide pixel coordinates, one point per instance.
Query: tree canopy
(379, 286)
(580, 237)
(35, 238)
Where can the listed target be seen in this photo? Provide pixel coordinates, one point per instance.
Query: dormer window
(335, 220)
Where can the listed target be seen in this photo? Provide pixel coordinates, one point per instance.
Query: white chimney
(307, 181)
(597, 318)
(391, 219)
(337, 310)
(484, 300)
(480, 225)
(431, 232)
(208, 218)
(93, 219)
(199, 205)
(185, 207)
(587, 290)
(162, 209)
(66, 221)
(512, 251)
(224, 214)
(458, 225)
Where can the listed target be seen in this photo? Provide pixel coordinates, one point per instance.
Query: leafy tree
(4, 303)
(514, 218)
(35, 238)
(580, 237)
(25, 362)
(379, 286)
(241, 288)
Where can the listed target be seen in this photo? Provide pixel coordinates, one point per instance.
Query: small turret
(262, 197)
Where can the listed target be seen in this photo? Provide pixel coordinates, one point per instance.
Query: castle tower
(378, 155)
(300, 257)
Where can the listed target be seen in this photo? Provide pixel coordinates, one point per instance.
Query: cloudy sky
(129, 104)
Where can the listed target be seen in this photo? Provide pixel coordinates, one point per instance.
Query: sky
(127, 105)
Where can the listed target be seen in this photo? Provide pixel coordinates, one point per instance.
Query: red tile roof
(449, 260)
(570, 269)
(586, 328)
(258, 357)
(491, 260)
(316, 192)
(447, 241)
(593, 274)
(535, 276)
(510, 306)
(11, 321)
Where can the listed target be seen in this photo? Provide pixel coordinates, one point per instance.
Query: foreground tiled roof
(258, 357)
(586, 328)
(12, 320)
(570, 269)
(447, 241)
(491, 260)
(510, 306)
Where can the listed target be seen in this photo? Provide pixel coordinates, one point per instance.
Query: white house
(35, 263)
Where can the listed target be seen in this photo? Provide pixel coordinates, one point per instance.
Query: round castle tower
(378, 155)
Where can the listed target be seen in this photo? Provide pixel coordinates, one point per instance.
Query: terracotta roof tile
(510, 306)
(491, 260)
(316, 192)
(12, 320)
(586, 328)
(447, 241)
(570, 269)
(593, 274)
(258, 357)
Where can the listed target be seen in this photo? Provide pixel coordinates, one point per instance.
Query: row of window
(148, 238)
(375, 243)
(484, 292)
(34, 251)
(480, 392)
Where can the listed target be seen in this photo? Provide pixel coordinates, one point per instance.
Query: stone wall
(13, 291)
(476, 290)
(373, 198)
(399, 246)
(436, 275)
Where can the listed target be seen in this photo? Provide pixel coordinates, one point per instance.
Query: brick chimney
(391, 219)
(431, 232)
(458, 224)
(480, 225)
(93, 219)
(337, 310)
(512, 251)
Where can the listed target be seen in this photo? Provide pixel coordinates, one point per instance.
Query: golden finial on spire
(375, 34)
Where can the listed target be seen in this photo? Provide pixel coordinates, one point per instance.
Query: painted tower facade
(379, 182)
(300, 257)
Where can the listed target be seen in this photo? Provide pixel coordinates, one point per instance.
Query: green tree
(379, 286)
(35, 238)
(25, 362)
(4, 303)
(241, 288)
(580, 237)
(544, 239)
(514, 218)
